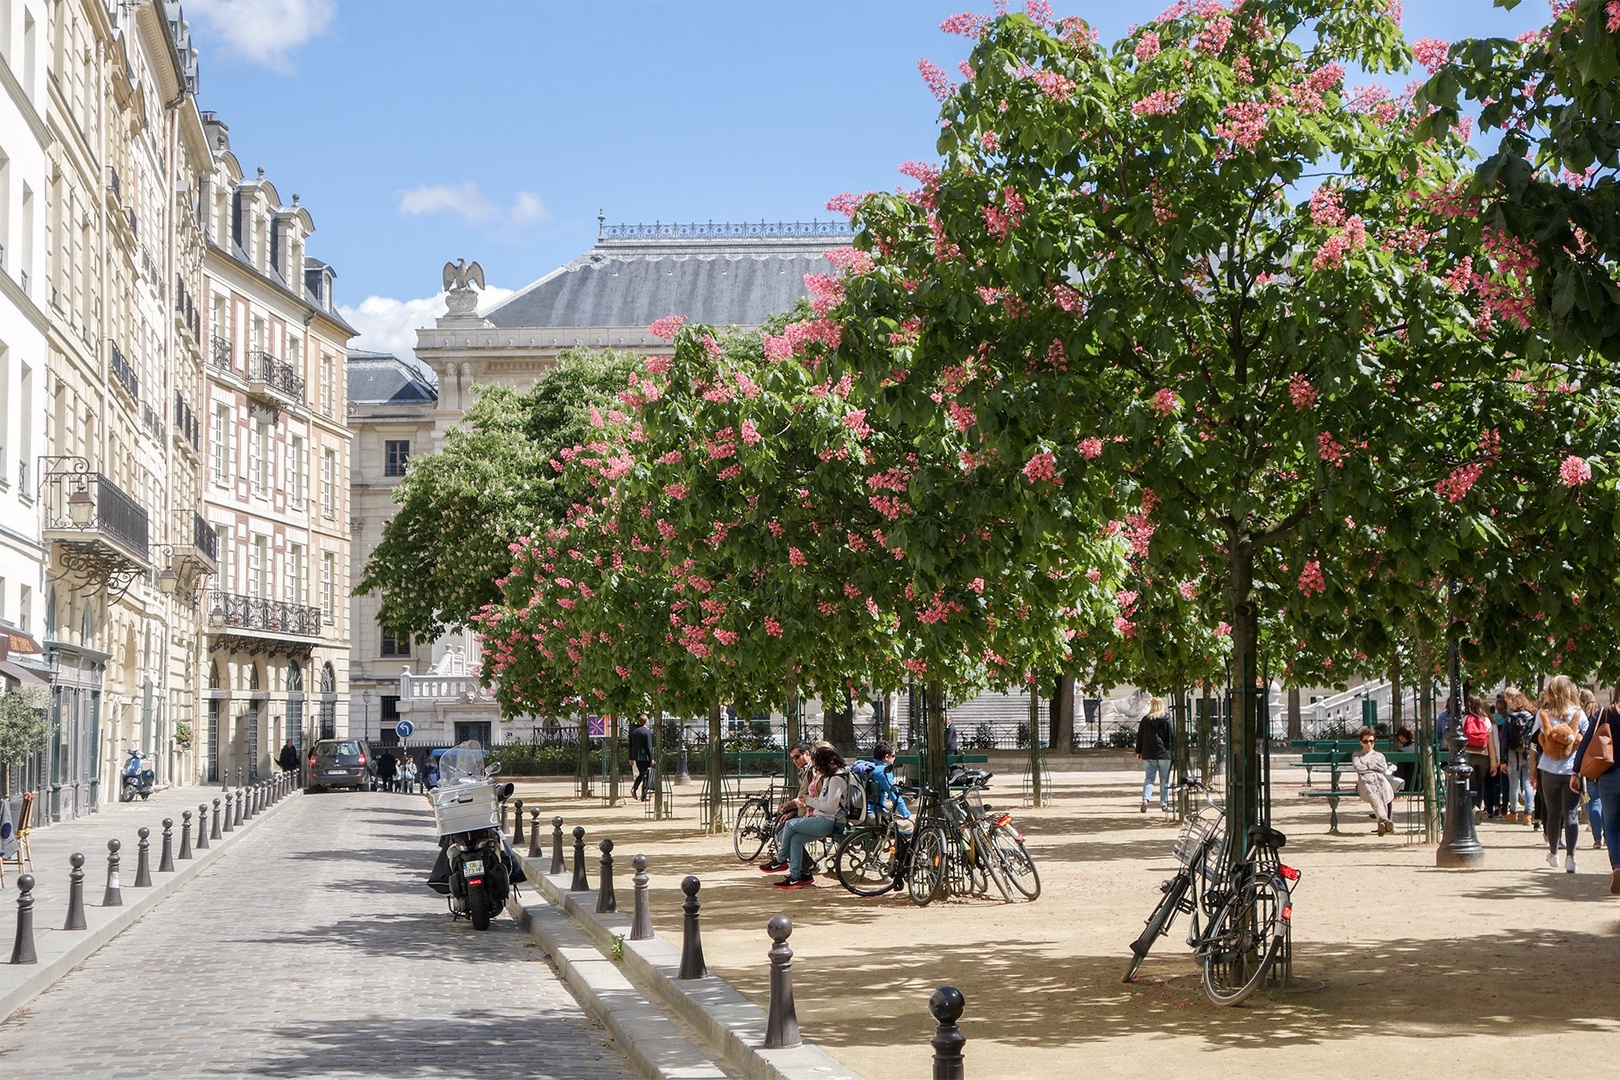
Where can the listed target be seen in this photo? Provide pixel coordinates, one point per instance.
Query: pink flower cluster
(1301, 392)
(1158, 103)
(1147, 48)
(1574, 471)
(1431, 53)
(1052, 84)
(961, 416)
(1246, 124)
(1165, 402)
(1330, 451)
(666, 328)
(1353, 237)
(772, 627)
(1091, 448)
(1042, 466)
(1327, 207)
(967, 24)
(1311, 582)
(1212, 38)
(796, 557)
(1456, 486)
(939, 83)
(1613, 12)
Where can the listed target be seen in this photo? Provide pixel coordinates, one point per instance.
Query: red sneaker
(773, 867)
(794, 883)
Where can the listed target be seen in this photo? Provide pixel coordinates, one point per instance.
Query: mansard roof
(723, 274)
(384, 379)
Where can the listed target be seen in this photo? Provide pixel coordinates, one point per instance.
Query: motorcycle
(136, 780)
(475, 870)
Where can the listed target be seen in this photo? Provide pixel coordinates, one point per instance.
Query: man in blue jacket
(881, 792)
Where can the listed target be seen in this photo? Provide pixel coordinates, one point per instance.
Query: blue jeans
(1160, 766)
(798, 832)
(1594, 809)
(1607, 787)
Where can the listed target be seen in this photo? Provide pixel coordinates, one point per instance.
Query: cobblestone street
(313, 949)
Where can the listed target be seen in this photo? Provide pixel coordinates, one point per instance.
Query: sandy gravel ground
(1499, 972)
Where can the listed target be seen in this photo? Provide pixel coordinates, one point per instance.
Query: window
(296, 465)
(392, 644)
(329, 585)
(326, 385)
(259, 458)
(219, 449)
(227, 563)
(259, 567)
(297, 584)
(395, 453)
(328, 482)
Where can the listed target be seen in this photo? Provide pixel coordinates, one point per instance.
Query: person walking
(1606, 785)
(387, 769)
(1521, 716)
(408, 775)
(1479, 734)
(1594, 806)
(1559, 725)
(289, 759)
(1372, 780)
(641, 756)
(1154, 737)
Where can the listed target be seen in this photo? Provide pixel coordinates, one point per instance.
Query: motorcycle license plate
(472, 867)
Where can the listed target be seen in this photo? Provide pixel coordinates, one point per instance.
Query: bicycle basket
(1206, 826)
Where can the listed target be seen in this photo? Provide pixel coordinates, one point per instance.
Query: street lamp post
(1459, 844)
(365, 701)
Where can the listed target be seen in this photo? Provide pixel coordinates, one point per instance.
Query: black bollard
(606, 900)
(534, 833)
(782, 1023)
(238, 815)
(202, 827)
(166, 861)
(252, 803)
(229, 799)
(517, 822)
(185, 835)
(215, 835)
(143, 862)
(946, 1005)
(75, 914)
(114, 896)
(22, 950)
(556, 846)
(503, 818)
(641, 927)
(579, 883)
(692, 965)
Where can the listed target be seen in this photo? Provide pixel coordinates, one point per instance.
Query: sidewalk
(59, 950)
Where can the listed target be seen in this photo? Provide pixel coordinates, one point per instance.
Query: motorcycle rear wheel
(478, 905)
(127, 793)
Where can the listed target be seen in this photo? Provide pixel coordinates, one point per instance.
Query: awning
(15, 641)
(21, 674)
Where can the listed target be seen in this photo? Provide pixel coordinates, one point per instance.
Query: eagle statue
(461, 274)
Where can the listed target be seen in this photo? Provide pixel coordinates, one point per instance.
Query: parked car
(335, 763)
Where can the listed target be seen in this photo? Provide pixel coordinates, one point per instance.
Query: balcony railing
(277, 377)
(113, 183)
(421, 688)
(186, 426)
(153, 420)
(221, 353)
(238, 612)
(125, 375)
(84, 506)
(204, 538)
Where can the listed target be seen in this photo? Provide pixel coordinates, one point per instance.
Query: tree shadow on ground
(427, 931)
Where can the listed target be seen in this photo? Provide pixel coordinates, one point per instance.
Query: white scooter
(475, 869)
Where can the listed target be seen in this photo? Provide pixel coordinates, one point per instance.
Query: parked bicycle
(1248, 903)
(754, 831)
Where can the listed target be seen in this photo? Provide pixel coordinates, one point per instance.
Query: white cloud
(468, 202)
(264, 31)
(389, 325)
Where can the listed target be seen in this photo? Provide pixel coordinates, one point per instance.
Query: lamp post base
(1460, 848)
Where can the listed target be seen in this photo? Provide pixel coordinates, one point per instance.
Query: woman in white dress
(1372, 780)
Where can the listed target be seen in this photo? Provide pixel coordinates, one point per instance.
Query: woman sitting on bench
(1372, 780)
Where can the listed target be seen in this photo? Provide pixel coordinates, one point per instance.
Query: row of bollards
(228, 813)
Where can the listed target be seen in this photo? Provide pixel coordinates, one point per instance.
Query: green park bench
(1336, 759)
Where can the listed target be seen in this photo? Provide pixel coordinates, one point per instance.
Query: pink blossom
(1574, 471)
(1055, 86)
(667, 327)
(1188, 590)
(1301, 392)
(1147, 48)
(656, 365)
(961, 416)
(977, 585)
(726, 637)
(967, 24)
(1456, 486)
(772, 627)
(855, 421)
(750, 433)
(1158, 103)
(677, 491)
(1327, 207)
(796, 557)
(1091, 448)
(1042, 466)
(1165, 402)
(1430, 52)
(939, 84)
(845, 204)
(1613, 12)
(1311, 582)
(1330, 451)
(1212, 39)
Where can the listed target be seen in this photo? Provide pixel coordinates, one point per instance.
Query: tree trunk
(1425, 737)
(1394, 695)
(1034, 739)
(1296, 724)
(610, 750)
(716, 764)
(838, 725)
(792, 710)
(1245, 734)
(1206, 733)
(1062, 715)
(1180, 747)
(583, 759)
(934, 746)
(659, 810)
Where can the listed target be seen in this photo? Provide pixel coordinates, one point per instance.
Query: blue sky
(420, 131)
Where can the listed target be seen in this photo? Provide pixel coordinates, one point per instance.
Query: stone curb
(60, 951)
(727, 1020)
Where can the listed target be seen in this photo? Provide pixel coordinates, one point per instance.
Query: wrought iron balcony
(221, 354)
(204, 538)
(187, 428)
(255, 616)
(100, 531)
(124, 375)
(274, 380)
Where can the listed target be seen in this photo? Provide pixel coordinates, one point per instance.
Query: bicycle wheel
(867, 862)
(1244, 940)
(752, 829)
(991, 860)
(925, 878)
(1158, 923)
(1019, 866)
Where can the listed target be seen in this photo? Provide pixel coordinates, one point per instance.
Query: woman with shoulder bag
(1593, 806)
(1559, 725)
(1479, 733)
(1596, 747)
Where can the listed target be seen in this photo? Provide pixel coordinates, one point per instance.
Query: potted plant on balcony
(182, 735)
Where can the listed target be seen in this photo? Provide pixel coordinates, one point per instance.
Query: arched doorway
(328, 702)
(213, 751)
(295, 704)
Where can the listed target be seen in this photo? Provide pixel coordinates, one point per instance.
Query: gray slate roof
(727, 281)
(384, 379)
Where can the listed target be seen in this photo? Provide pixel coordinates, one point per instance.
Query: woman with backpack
(1521, 716)
(821, 815)
(1607, 785)
(1154, 737)
(1479, 733)
(1559, 725)
(1594, 807)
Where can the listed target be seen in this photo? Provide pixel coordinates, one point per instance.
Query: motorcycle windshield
(462, 764)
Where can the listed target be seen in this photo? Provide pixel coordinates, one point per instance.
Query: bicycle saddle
(1263, 835)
